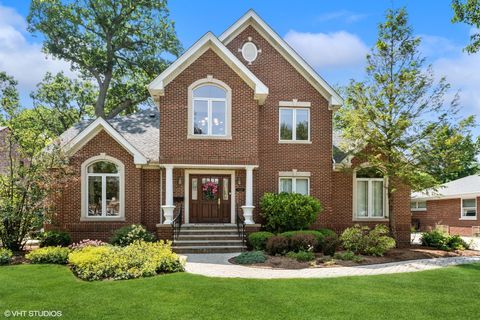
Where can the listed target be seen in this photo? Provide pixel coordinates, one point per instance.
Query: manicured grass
(451, 293)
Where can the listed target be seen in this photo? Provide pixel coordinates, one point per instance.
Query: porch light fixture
(180, 180)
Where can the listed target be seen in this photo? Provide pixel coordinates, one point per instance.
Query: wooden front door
(210, 198)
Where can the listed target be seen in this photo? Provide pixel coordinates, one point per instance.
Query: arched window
(209, 109)
(370, 194)
(103, 188)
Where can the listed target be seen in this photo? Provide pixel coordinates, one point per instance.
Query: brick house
(453, 207)
(238, 115)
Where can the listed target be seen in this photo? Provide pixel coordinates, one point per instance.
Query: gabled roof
(138, 133)
(467, 186)
(252, 19)
(208, 41)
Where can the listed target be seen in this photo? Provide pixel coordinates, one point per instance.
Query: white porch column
(168, 207)
(248, 207)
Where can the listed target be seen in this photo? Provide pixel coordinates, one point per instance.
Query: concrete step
(207, 243)
(209, 226)
(208, 232)
(207, 249)
(208, 236)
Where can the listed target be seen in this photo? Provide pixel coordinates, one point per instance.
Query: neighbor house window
(103, 188)
(294, 124)
(469, 208)
(418, 205)
(370, 195)
(210, 111)
(296, 185)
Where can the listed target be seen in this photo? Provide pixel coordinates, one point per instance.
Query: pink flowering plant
(88, 243)
(210, 190)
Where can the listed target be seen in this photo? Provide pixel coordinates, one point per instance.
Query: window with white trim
(295, 185)
(418, 205)
(469, 208)
(370, 201)
(209, 110)
(103, 189)
(294, 124)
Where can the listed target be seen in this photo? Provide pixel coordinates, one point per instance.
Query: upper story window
(469, 209)
(294, 125)
(209, 109)
(369, 194)
(418, 205)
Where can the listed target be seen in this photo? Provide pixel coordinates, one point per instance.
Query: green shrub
(258, 240)
(348, 256)
(362, 240)
(129, 234)
(277, 245)
(303, 242)
(5, 256)
(54, 239)
(301, 256)
(140, 259)
(327, 232)
(440, 240)
(455, 242)
(55, 255)
(330, 245)
(251, 257)
(317, 234)
(289, 211)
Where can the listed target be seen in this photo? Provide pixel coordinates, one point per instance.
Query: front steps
(208, 238)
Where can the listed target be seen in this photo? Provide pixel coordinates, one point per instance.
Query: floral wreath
(210, 190)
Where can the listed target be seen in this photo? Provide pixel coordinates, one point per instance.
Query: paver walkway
(217, 265)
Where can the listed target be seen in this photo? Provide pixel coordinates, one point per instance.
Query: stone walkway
(217, 265)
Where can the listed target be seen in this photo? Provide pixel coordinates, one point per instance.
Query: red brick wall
(447, 213)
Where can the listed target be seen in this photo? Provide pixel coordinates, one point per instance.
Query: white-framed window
(418, 205)
(209, 114)
(294, 184)
(369, 194)
(469, 209)
(102, 189)
(294, 124)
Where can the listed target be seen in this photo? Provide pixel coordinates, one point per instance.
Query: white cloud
(19, 57)
(322, 50)
(343, 15)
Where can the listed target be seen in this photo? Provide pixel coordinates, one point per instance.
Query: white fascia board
(445, 197)
(208, 41)
(251, 18)
(93, 129)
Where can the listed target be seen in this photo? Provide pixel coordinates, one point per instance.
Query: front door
(210, 198)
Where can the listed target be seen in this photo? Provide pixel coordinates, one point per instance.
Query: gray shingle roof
(452, 189)
(141, 129)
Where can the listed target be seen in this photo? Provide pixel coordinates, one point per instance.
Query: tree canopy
(468, 11)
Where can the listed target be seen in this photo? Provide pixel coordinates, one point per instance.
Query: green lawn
(440, 294)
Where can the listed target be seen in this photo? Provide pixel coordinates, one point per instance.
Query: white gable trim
(251, 18)
(208, 41)
(93, 129)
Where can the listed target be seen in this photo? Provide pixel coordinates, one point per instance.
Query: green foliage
(302, 256)
(55, 238)
(277, 245)
(251, 257)
(129, 234)
(5, 256)
(139, 259)
(303, 242)
(121, 45)
(258, 240)
(330, 245)
(468, 11)
(348, 256)
(289, 211)
(443, 241)
(327, 232)
(55, 255)
(362, 240)
(318, 237)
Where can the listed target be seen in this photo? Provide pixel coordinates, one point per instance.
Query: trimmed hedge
(54, 255)
(54, 239)
(258, 240)
(319, 236)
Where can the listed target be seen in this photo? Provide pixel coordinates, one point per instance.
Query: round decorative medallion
(249, 51)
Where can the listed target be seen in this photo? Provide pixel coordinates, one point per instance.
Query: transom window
(294, 124)
(103, 189)
(469, 208)
(370, 194)
(296, 185)
(209, 110)
(418, 205)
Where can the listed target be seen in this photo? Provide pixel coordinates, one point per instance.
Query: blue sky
(333, 36)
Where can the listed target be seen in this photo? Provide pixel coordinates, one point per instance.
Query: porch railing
(241, 228)
(177, 222)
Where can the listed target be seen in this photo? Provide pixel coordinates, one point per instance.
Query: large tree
(450, 152)
(121, 44)
(398, 105)
(468, 11)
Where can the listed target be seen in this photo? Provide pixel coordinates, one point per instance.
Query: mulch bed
(394, 255)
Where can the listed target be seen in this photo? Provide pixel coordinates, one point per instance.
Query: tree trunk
(391, 213)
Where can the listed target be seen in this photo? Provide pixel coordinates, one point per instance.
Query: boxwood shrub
(317, 246)
(54, 255)
(301, 256)
(54, 239)
(258, 240)
(289, 211)
(277, 245)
